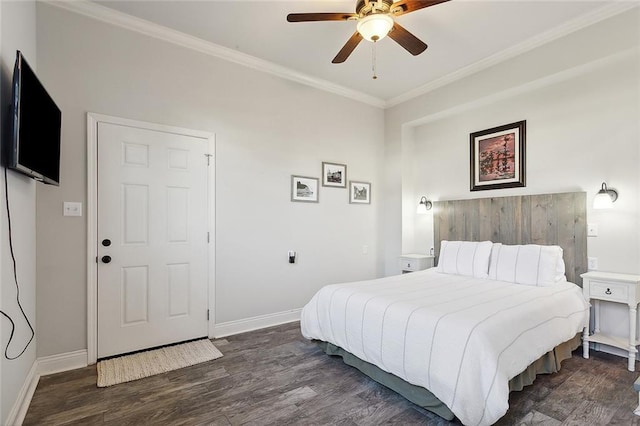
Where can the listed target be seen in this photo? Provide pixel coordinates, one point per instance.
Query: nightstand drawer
(415, 262)
(410, 264)
(609, 291)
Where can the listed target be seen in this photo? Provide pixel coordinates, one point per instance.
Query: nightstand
(616, 288)
(415, 262)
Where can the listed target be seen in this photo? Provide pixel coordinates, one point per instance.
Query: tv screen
(34, 145)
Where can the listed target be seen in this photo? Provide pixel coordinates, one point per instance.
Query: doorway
(150, 235)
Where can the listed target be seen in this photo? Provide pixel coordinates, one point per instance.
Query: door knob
(106, 259)
(106, 242)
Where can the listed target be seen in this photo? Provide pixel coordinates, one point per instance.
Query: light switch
(72, 208)
(592, 229)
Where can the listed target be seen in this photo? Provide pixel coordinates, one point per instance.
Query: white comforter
(462, 338)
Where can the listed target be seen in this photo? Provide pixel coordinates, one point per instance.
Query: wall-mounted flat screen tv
(33, 147)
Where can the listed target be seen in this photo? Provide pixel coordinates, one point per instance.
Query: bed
(457, 338)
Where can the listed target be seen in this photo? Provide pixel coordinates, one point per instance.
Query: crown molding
(113, 17)
(569, 27)
(528, 87)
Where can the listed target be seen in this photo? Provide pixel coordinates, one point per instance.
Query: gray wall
(266, 129)
(18, 27)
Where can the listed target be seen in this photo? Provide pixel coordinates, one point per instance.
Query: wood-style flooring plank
(590, 413)
(276, 377)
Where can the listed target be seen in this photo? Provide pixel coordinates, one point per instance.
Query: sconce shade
(375, 27)
(605, 197)
(424, 206)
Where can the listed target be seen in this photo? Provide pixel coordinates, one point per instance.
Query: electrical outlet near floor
(592, 263)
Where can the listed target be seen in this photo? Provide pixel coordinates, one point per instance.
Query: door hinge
(208, 237)
(96, 259)
(207, 315)
(208, 159)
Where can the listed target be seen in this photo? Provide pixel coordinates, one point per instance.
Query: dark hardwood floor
(276, 377)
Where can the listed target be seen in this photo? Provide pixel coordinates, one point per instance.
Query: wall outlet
(292, 256)
(592, 229)
(592, 263)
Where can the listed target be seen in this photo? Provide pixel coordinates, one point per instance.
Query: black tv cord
(15, 277)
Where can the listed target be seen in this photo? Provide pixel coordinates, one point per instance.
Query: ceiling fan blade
(406, 6)
(346, 50)
(404, 38)
(311, 17)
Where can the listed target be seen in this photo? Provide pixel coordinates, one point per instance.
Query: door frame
(92, 218)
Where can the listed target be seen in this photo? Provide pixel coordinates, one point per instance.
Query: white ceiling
(461, 34)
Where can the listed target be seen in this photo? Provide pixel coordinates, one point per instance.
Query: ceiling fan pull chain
(373, 60)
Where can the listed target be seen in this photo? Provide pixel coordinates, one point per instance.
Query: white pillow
(529, 264)
(465, 258)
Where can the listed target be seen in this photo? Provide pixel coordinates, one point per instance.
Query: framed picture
(334, 175)
(498, 157)
(359, 192)
(304, 189)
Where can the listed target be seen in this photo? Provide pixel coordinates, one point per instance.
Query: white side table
(617, 288)
(415, 262)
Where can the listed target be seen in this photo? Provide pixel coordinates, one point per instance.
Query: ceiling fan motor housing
(368, 7)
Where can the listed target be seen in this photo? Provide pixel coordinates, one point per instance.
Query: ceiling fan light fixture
(375, 27)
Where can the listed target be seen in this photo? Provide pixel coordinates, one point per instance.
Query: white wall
(576, 139)
(18, 32)
(580, 96)
(266, 129)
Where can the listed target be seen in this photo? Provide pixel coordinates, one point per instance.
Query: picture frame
(334, 175)
(498, 157)
(304, 189)
(359, 192)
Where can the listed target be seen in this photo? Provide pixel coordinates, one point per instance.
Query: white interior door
(152, 228)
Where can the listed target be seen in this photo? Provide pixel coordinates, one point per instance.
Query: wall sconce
(605, 198)
(424, 206)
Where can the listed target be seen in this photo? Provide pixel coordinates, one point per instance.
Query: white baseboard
(20, 407)
(62, 362)
(255, 323)
(42, 367)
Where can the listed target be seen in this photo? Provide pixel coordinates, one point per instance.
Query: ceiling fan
(374, 22)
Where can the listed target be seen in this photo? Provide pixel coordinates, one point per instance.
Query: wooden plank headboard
(558, 219)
